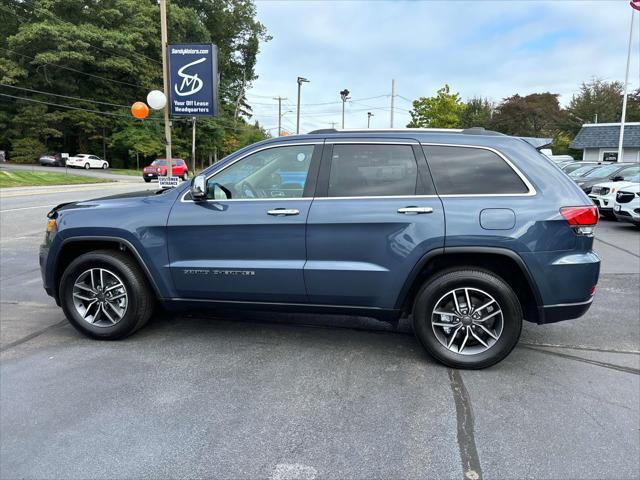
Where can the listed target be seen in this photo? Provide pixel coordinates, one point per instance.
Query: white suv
(604, 194)
(627, 206)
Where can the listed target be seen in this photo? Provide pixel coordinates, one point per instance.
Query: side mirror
(199, 188)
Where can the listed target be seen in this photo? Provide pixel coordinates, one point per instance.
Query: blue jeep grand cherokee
(468, 232)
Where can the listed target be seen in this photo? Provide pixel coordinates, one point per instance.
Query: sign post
(167, 125)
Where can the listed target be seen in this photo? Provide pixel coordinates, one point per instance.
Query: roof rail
(466, 131)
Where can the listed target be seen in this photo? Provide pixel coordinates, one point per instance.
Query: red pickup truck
(158, 168)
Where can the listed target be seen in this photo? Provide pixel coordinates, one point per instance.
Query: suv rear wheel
(467, 318)
(104, 295)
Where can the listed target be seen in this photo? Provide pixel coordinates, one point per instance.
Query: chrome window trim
(373, 197)
(266, 147)
(531, 189)
(525, 180)
(568, 304)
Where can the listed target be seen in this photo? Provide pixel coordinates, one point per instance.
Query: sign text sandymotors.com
(193, 79)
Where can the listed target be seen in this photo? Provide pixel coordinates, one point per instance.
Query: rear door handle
(283, 212)
(415, 210)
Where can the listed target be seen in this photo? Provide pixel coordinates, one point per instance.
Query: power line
(70, 107)
(63, 96)
(220, 123)
(312, 104)
(74, 70)
(52, 15)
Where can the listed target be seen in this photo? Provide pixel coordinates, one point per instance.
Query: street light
(369, 115)
(300, 80)
(344, 95)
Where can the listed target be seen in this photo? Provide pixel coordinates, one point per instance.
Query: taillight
(581, 219)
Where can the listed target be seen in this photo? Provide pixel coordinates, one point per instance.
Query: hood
(632, 188)
(121, 198)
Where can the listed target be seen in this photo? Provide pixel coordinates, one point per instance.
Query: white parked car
(604, 194)
(627, 206)
(84, 160)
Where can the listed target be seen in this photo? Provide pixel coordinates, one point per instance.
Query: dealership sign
(193, 79)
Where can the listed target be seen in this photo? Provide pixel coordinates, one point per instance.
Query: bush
(26, 150)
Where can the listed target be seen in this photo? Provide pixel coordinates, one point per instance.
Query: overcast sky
(486, 48)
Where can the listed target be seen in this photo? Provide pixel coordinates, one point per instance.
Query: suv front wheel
(467, 318)
(104, 295)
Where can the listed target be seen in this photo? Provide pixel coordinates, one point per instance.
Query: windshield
(582, 170)
(602, 171)
(159, 163)
(630, 174)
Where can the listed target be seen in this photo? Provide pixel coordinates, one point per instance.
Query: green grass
(126, 171)
(16, 178)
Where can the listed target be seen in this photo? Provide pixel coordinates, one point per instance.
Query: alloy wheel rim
(467, 321)
(100, 297)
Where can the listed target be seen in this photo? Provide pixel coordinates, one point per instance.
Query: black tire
(185, 176)
(87, 166)
(147, 180)
(469, 277)
(104, 166)
(140, 297)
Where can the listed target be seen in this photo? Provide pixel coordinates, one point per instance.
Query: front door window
(279, 172)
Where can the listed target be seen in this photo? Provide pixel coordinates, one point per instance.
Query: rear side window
(372, 170)
(471, 171)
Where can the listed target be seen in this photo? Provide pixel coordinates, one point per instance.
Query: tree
(536, 115)
(440, 111)
(143, 137)
(26, 150)
(476, 113)
(633, 107)
(595, 98)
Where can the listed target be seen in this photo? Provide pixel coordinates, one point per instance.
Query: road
(303, 396)
(106, 174)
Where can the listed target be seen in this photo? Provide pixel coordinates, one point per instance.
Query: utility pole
(393, 95)
(165, 81)
(300, 81)
(333, 125)
(369, 115)
(626, 85)
(279, 99)
(193, 146)
(344, 95)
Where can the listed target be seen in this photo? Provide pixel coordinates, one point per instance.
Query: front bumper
(43, 256)
(626, 216)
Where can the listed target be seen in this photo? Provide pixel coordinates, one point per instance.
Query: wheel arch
(71, 248)
(503, 262)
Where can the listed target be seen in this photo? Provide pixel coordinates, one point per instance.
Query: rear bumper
(565, 311)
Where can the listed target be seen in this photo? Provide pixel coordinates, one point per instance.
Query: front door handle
(415, 210)
(282, 212)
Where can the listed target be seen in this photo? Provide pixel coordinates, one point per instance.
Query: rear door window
(361, 170)
(471, 171)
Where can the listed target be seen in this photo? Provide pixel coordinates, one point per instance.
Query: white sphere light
(156, 99)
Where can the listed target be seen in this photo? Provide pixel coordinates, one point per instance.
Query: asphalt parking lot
(304, 396)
